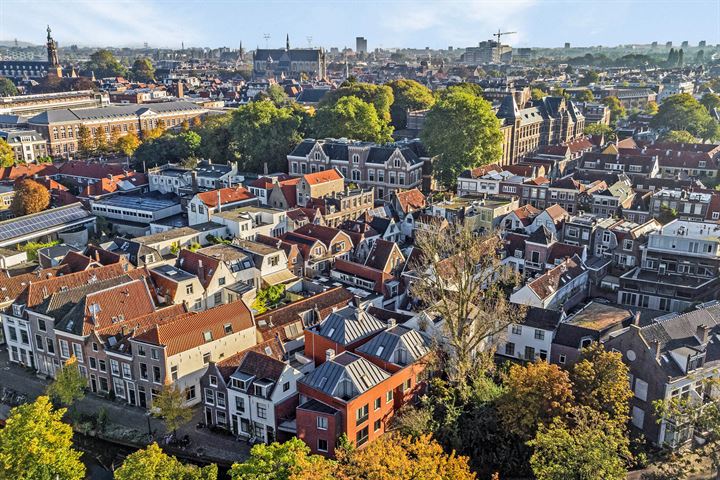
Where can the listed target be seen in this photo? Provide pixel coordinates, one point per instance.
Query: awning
(283, 276)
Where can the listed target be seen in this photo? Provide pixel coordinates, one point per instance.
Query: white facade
(18, 337)
(525, 342)
(248, 222)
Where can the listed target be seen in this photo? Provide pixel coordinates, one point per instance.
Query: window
(102, 366)
(156, 375)
(143, 371)
(213, 380)
(154, 354)
(261, 410)
(209, 396)
(50, 346)
(322, 423)
(41, 325)
(189, 289)
(207, 336)
(361, 415)
(217, 298)
(562, 359)
(627, 244)
(206, 358)
(64, 347)
(362, 437)
(539, 334)
(322, 445)
(389, 396)
(638, 417)
(517, 329)
(221, 399)
(39, 342)
(377, 403)
(94, 347)
(93, 363)
(190, 393)
(240, 404)
(510, 349)
(377, 425)
(228, 328)
(286, 386)
(127, 373)
(115, 368)
(641, 388)
(174, 372)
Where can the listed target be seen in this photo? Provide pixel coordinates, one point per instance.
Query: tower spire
(287, 41)
(52, 54)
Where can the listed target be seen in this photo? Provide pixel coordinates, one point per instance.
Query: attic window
(228, 328)
(380, 350)
(207, 336)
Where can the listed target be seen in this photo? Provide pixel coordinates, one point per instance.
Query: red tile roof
(411, 200)
(526, 213)
(227, 195)
(91, 169)
(128, 301)
(26, 170)
(323, 176)
(199, 264)
(188, 331)
(12, 287)
(325, 234)
(553, 280)
(557, 212)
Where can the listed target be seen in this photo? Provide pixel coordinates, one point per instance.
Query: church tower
(287, 41)
(52, 50)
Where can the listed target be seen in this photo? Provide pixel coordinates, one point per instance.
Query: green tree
(283, 461)
(86, 145)
(30, 197)
(589, 77)
(681, 112)
(408, 95)
(268, 298)
(617, 111)
(381, 96)
(600, 129)
(7, 156)
(69, 384)
(190, 142)
(152, 463)
(679, 136)
(586, 96)
(463, 131)
(170, 406)
(216, 138)
(276, 94)
(600, 382)
(591, 447)
(471, 88)
(537, 93)
(104, 64)
(710, 101)
(651, 108)
(36, 445)
(127, 144)
(534, 395)
(710, 130)
(353, 118)
(143, 70)
(263, 133)
(7, 88)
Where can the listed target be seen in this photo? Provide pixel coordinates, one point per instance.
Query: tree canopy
(617, 111)
(408, 95)
(710, 101)
(30, 197)
(585, 96)
(36, 445)
(143, 70)
(679, 136)
(104, 64)
(7, 87)
(290, 460)
(463, 131)
(600, 129)
(7, 156)
(152, 463)
(69, 384)
(351, 117)
(682, 112)
(170, 406)
(381, 96)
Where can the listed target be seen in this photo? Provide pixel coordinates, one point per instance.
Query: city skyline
(390, 24)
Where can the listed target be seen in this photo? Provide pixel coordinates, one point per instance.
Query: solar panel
(35, 223)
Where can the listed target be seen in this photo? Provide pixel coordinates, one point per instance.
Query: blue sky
(385, 23)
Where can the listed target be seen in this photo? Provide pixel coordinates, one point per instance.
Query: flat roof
(172, 272)
(42, 223)
(179, 233)
(599, 316)
(138, 202)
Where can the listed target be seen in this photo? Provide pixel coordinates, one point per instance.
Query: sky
(385, 23)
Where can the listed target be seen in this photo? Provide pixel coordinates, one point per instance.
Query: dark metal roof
(356, 374)
(389, 344)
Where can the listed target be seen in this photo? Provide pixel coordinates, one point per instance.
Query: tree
(36, 445)
(152, 463)
(460, 280)
(710, 130)
(462, 130)
(535, 394)
(100, 143)
(30, 197)
(537, 93)
(600, 382)
(69, 384)
(471, 88)
(710, 101)
(86, 145)
(215, 138)
(170, 406)
(617, 111)
(276, 94)
(589, 447)
(115, 136)
(283, 461)
(263, 133)
(153, 133)
(586, 96)
(600, 129)
(127, 144)
(679, 136)
(408, 95)
(353, 118)
(589, 78)
(7, 156)
(7, 88)
(143, 70)
(381, 96)
(268, 298)
(104, 64)
(681, 112)
(651, 108)
(190, 143)
(392, 457)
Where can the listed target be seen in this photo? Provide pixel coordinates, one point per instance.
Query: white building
(248, 222)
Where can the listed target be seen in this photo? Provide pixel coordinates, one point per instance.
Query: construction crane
(500, 34)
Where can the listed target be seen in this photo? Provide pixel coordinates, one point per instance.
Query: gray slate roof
(348, 325)
(356, 374)
(385, 345)
(113, 111)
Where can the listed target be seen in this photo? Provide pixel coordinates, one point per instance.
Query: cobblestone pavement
(205, 445)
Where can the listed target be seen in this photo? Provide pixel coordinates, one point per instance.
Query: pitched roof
(345, 376)
(557, 212)
(410, 200)
(553, 280)
(348, 325)
(188, 331)
(388, 342)
(325, 234)
(323, 176)
(361, 271)
(380, 254)
(526, 213)
(227, 195)
(202, 266)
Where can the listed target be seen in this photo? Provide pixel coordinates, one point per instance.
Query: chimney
(656, 345)
(201, 270)
(219, 200)
(391, 323)
(329, 354)
(636, 320)
(193, 180)
(701, 333)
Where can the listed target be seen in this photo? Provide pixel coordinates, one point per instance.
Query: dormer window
(18, 310)
(260, 390)
(356, 158)
(317, 155)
